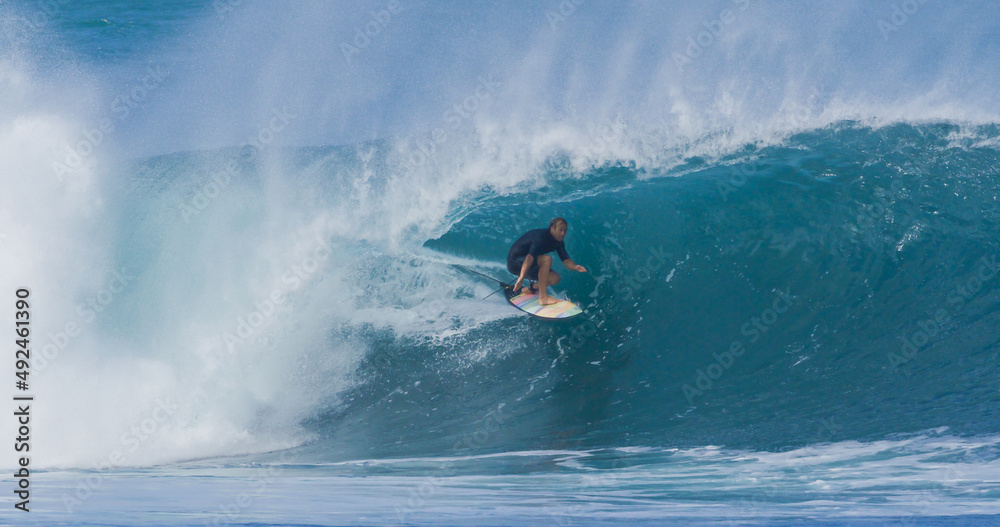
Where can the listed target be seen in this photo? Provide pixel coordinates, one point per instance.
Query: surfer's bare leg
(528, 260)
(546, 277)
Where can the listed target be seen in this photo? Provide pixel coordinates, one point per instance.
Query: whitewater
(241, 229)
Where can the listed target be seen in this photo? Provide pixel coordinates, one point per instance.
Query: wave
(848, 264)
(768, 233)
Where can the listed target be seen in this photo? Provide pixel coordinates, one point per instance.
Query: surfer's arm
(573, 266)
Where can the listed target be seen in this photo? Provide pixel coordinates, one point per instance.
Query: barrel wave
(770, 299)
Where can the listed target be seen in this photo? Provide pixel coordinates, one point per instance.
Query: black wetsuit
(535, 242)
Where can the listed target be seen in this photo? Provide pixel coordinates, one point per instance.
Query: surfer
(528, 258)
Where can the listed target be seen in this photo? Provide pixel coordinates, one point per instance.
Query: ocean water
(242, 226)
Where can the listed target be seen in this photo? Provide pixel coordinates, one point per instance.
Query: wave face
(248, 242)
(840, 286)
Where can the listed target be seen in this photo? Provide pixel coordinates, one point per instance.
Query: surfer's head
(557, 227)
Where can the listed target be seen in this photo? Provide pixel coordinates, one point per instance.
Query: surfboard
(528, 302)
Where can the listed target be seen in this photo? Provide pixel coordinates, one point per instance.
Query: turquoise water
(242, 226)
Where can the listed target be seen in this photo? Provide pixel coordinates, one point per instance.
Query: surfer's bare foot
(548, 301)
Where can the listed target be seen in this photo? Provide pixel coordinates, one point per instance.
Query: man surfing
(528, 258)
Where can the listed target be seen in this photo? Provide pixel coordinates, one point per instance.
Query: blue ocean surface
(246, 229)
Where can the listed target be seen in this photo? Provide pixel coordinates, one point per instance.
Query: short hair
(557, 221)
